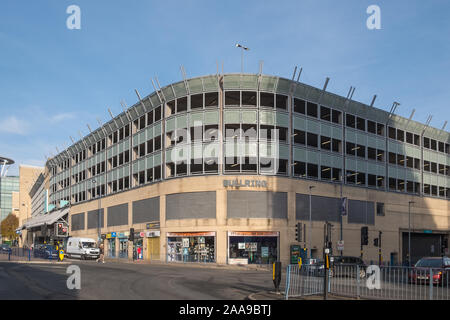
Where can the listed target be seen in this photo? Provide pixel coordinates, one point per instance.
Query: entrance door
(422, 245)
(153, 249)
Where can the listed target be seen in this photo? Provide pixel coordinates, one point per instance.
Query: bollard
(29, 255)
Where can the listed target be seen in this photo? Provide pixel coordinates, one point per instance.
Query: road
(114, 280)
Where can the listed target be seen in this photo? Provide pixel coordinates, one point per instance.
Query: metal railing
(28, 254)
(303, 281)
(372, 282)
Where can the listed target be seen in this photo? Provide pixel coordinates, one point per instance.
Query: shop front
(153, 245)
(123, 244)
(191, 247)
(111, 237)
(138, 245)
(246, 247)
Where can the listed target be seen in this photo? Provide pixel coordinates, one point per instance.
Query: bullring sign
(244, 183)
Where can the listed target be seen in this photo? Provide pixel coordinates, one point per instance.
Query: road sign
(340, 245)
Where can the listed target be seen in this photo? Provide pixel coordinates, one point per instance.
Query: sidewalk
(271, 295)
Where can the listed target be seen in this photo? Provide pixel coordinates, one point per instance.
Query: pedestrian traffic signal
(375, 242)
(364, 236)
(298, 232)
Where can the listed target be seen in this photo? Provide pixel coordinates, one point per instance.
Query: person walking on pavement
(102, 254)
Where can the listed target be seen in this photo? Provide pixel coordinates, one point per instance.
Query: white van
(83, 248)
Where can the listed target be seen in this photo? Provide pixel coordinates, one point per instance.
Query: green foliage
(8, 227)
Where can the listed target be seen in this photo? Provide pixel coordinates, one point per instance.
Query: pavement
(272, 295)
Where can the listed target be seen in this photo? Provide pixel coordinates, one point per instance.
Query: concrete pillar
(221, 234)
(162, 222)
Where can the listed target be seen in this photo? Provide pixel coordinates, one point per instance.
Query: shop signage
(251, 246)
(142, 234)
(253, 234)
(191, 234)
(264, 252)
(340, 245)
(154, 225)
(238, 261)
(241, 246)
(244, 183)
(185, 242)
(153, 234)
(108, 236)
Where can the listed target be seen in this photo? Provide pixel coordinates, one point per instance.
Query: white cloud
(61, 117)
(14, 126)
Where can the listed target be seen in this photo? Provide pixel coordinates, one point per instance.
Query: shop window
(211, 99)
(255, 249)
(191, 249)
(267, 100)
(350, 121)
(313, 171)
(282, 102)
(249, 98)
(312, 109)
(371, 127)
(312, 139)
(197, 101)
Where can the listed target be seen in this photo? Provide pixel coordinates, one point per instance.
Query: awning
(48, 218)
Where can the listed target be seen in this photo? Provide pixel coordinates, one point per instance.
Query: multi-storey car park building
(221, 168)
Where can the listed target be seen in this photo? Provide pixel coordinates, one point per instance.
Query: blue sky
(54, 80)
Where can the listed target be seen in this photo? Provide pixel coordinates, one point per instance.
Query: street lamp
(242, 55)
(409, 232)
(94, 182)
(310, 223)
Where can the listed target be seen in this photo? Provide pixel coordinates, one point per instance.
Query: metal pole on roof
(242, 55)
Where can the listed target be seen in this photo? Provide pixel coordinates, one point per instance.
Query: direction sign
(340, 245)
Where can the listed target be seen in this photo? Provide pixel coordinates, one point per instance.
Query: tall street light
(242, 55)
(310, 223)
(409, 232)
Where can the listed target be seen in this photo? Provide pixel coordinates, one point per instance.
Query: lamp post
(409, 232)
(242, 55)
(94, 182)
(310, 223)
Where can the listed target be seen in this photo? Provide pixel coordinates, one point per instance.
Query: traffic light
(298, 232)
(375, 242)
(61, 230)
(131, 237)
(364, 236)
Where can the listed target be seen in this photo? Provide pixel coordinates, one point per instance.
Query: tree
(9, 226)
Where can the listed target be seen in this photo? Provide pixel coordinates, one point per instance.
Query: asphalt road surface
(114, 280)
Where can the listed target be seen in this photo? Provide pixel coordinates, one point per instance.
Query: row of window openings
(147, 147)
(196, 166)
(147, 176)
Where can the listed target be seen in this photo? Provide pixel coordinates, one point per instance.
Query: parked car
(83, 248)
(420, 273)
(346, 266)
(5, 248)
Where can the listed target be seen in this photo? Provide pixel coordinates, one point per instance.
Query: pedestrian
(102, 255)
(139, 253)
